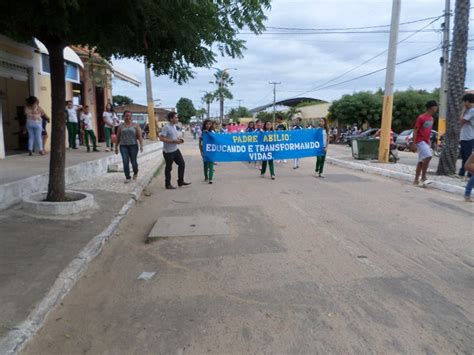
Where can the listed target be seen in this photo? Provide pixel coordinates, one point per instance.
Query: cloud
(305, 62)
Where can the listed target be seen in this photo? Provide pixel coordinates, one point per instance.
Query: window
(71, 70)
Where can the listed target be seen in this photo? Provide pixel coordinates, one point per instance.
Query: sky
(304, 63)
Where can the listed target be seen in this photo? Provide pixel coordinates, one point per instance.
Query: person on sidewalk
(467, 132)
(86, 119)
(44, 132)
(321, 159)
(34, 114)
(170, 137)
(72, 124)
(110, 122)
(268, 127)
(208, 166)
(421, 142)
(129, 135)
(469, 166)
(298, 125)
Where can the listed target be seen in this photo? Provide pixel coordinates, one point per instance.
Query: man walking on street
(421, 142)
(170, 137)
(467, 131)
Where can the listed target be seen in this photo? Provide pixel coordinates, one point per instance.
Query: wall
(314, 111)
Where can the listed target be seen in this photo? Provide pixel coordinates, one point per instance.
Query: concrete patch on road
(166, 227)
(247, 234)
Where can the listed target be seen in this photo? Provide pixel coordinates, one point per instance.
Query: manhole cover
(168, 227)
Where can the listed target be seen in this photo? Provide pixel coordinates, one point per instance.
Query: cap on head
(431, 104)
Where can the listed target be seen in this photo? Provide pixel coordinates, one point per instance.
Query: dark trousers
(72, 133)
(129, 153)
(264, 167)
(320, 163)
(90, 134)
(170, 158)
(467, 147)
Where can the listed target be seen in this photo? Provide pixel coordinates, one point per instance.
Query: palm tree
(223, 81)
(456, 81)
(208, 98)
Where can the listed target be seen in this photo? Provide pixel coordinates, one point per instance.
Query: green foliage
(208, 98)
(268, 116)
(201, 113)
(120, 100)
(185, 109)
(223, 80)
(239, 112)
(366, 107)
(139, 29)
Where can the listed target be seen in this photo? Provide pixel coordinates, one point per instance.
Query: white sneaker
(427, 182)
(127, 181)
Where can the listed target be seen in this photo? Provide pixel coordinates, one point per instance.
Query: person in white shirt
(86, 119)
(72, 123)
(110, 122)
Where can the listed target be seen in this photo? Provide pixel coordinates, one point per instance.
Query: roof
(287, 102)
(137, 108)
(69, 54)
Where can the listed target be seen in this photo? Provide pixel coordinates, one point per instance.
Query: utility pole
(384, 146)
(444, 61)
(240, 100)
(274, 98)
(150, 104)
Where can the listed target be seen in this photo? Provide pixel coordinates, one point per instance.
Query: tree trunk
(208, 110)
(222, 108)
(57, 162)
(456, 81)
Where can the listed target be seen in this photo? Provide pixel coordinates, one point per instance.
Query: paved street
(349, 264)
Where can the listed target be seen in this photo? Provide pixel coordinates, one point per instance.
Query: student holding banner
(208, 166)
(322, 158)
(297, 125)
(267, 127)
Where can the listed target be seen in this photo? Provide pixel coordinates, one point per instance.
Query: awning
(69, 54)
(123, 75)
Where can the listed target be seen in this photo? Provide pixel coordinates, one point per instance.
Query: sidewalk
(41, 258)
(22, 175)
(403, 170)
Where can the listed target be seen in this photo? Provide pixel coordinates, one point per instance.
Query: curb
(17, 338)
(457, 190)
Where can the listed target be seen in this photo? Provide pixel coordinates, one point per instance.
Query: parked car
(368, 134)
(404, 139)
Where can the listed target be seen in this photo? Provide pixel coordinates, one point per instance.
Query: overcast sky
(303, 62)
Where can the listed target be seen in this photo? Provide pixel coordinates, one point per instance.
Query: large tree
(208, 98)
(121, 100)
(239, 112)
(223, 81)
(172, 36)
(185, 109)
(456, 81)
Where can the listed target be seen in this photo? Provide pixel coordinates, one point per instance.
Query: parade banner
(257, 146)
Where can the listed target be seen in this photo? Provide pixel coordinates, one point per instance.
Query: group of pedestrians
(421, 144)
(209, 126)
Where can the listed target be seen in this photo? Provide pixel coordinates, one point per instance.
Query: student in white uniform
(110, 122)
(86, 118)
(72, 124)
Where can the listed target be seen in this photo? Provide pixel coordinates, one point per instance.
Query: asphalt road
(349, 264)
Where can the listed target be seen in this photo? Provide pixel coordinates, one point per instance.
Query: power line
(349, 28)
(372, 72)
(335, 32)
(375, 56)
